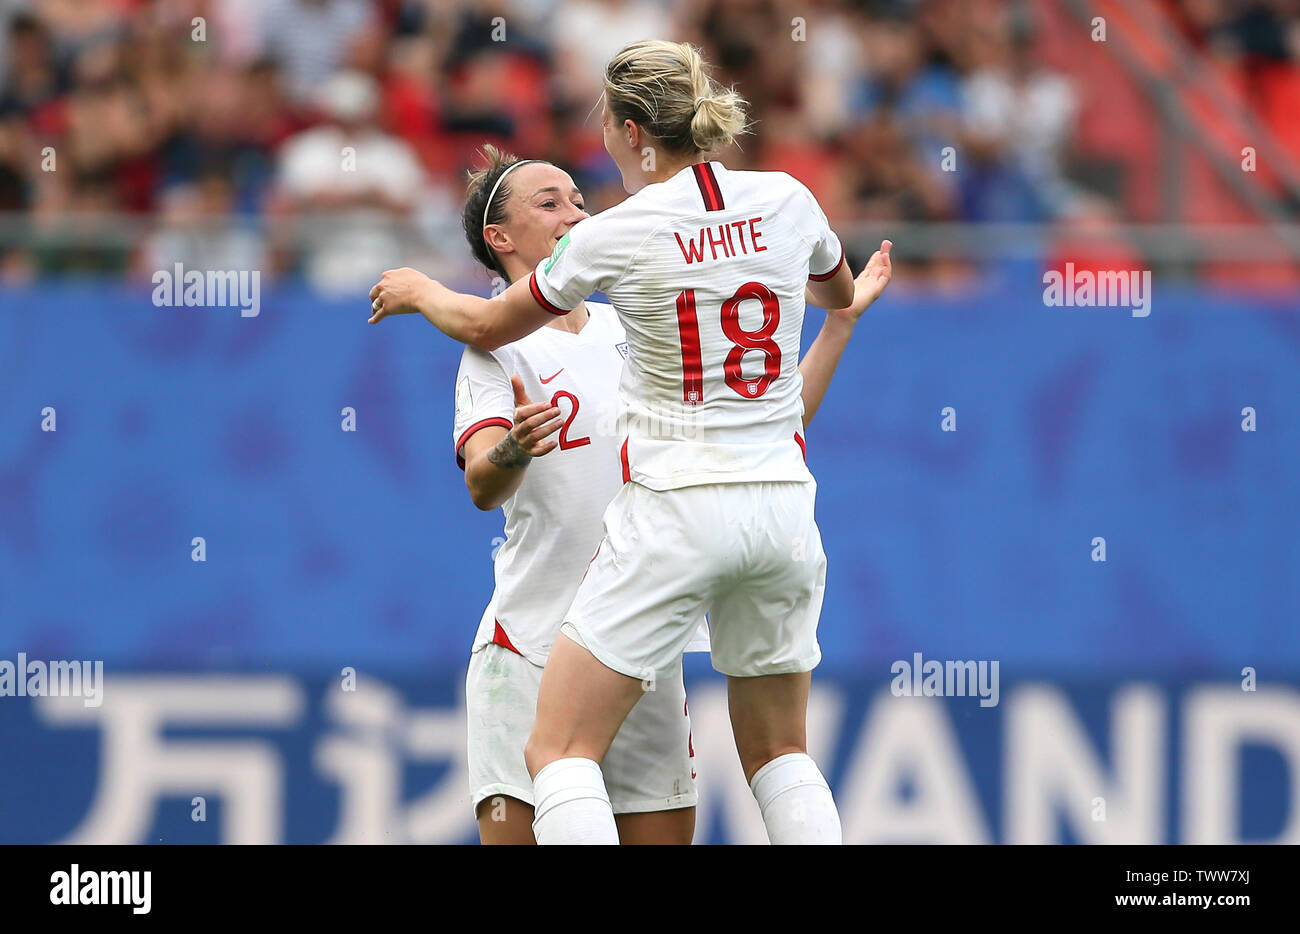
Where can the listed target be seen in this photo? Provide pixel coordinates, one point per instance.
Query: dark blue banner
(1101, 505)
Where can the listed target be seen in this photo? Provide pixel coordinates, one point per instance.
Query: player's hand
(869, 284)
(533, 422)
(399, 292)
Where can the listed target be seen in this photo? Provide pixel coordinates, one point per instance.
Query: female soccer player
(707, 270)
(515, 212)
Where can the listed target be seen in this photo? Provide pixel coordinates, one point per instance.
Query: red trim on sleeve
(477, 426)
(825, 276)
(541, 299)
(500, 638)
(627, 469)
(803, 448)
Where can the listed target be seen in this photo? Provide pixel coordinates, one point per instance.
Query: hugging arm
(819, 363)
(486, 323)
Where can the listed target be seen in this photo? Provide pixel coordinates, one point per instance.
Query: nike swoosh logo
(546, 380)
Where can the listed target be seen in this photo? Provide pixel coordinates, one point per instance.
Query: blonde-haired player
(707, 270)
(515, 210)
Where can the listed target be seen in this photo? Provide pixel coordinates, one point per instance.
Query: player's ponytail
(719, 112)
(665, 88)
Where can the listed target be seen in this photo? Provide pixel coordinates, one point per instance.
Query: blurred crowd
(330, 137)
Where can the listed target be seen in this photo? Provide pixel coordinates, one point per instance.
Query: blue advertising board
(1103, 505)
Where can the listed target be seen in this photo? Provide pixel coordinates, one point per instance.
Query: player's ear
(497, 239)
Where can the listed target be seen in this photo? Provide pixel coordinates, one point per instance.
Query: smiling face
(544, 205)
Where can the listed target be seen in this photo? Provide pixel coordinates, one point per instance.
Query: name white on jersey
(707, 272)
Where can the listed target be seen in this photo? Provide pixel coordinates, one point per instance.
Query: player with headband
(707, 270)
(553, 509)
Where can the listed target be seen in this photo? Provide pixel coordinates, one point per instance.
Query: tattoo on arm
(507, 453)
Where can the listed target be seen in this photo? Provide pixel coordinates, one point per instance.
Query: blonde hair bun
(666, 88)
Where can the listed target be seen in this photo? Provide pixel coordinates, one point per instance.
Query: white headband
(501, 178)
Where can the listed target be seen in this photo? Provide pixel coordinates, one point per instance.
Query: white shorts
(748, 554)
(649, 767)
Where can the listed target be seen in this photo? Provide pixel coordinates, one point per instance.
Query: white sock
(572, 805)
(796, 802)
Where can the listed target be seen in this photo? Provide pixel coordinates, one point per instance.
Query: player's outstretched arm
(486, 323)
(495, 458)
(819, 363)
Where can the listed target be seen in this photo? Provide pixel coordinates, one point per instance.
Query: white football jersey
(707, 272)
(554, 520)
